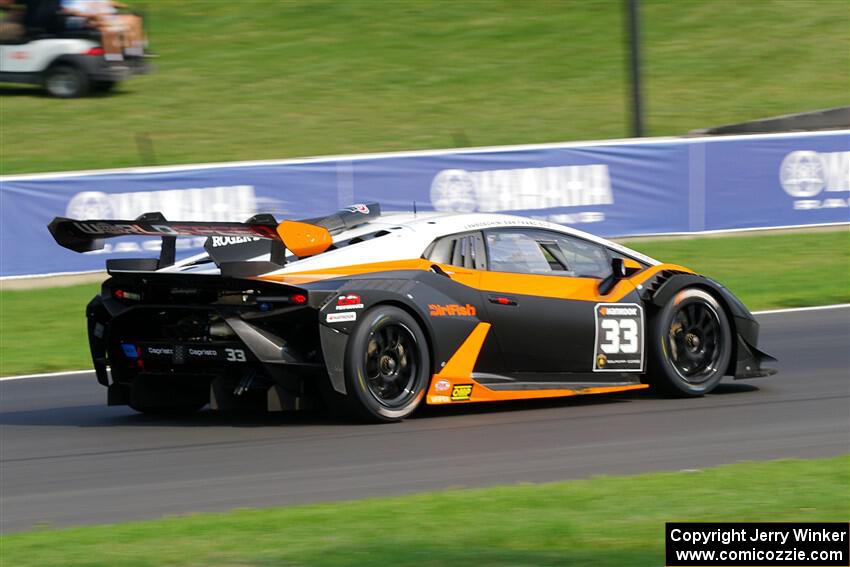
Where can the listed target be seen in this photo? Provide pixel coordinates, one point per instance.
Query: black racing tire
(64, 80)
(690, 344)
(387, 365)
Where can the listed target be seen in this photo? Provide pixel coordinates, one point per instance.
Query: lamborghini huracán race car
(378, 314)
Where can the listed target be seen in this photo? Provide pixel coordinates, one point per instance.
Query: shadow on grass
(39, 92)
(19, 90)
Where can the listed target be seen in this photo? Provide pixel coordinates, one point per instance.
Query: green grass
(604, 521)
(767, 271)
(262, 80)
(44, 329)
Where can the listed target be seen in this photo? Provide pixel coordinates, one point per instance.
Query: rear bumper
(133, 346)
(99, 69)
(119, 71)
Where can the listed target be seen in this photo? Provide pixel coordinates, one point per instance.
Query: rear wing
(302, 238)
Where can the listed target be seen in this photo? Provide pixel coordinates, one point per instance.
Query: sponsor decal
(203, 352)
(525, 189)
(358, 208)
(217, 241)
(341, 317)
(439, 399)
(461, 392)
(350, 301)
(160, 351)
(805, 175)
(451, 310)
(619, 338)
(614, 311)
(171, 229)
(442, 385)
(129, 351)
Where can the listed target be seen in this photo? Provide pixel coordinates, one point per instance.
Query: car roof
(406, 235)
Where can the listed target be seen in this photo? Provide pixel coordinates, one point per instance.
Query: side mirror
(618, 272)
(618, 268)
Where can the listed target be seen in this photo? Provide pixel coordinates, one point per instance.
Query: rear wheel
(387, 367)
(691, 344)
(66, 81)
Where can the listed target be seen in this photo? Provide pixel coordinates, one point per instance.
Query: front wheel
(691, 344)
(387, 366)
(66, 81)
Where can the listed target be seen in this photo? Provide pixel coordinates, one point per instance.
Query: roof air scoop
(348, 218)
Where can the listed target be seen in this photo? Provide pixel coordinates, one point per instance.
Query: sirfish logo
(451, 310)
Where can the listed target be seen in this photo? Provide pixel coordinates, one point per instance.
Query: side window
(462, 250)
(543, 252)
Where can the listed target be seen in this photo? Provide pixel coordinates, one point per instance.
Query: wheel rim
(695, 342)
(392, 364)
(62, 83)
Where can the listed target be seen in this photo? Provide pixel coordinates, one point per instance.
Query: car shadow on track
(104, 416)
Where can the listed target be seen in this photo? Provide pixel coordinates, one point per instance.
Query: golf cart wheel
(66, 81)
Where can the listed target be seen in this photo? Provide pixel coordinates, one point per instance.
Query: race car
(377, 314)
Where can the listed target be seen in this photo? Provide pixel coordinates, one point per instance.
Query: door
(543, 296)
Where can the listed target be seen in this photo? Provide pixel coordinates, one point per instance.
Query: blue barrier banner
(620, 188)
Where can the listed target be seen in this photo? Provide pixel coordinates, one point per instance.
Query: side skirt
(457, 383)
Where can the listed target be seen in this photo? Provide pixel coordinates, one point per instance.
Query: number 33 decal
(619, 338)
(620, 335)
(234, 355)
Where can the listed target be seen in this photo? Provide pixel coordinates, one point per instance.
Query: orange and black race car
(378, 314)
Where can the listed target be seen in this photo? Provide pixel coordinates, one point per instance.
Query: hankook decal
(341, 317)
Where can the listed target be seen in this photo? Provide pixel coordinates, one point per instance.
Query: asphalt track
(66, 458)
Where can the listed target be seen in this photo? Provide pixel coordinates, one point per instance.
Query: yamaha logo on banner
(525, 189)
(813, 179)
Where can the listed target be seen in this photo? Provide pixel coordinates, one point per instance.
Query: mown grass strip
(319, 77)
(603, 521)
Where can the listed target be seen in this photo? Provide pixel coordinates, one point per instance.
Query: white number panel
(619, 338)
